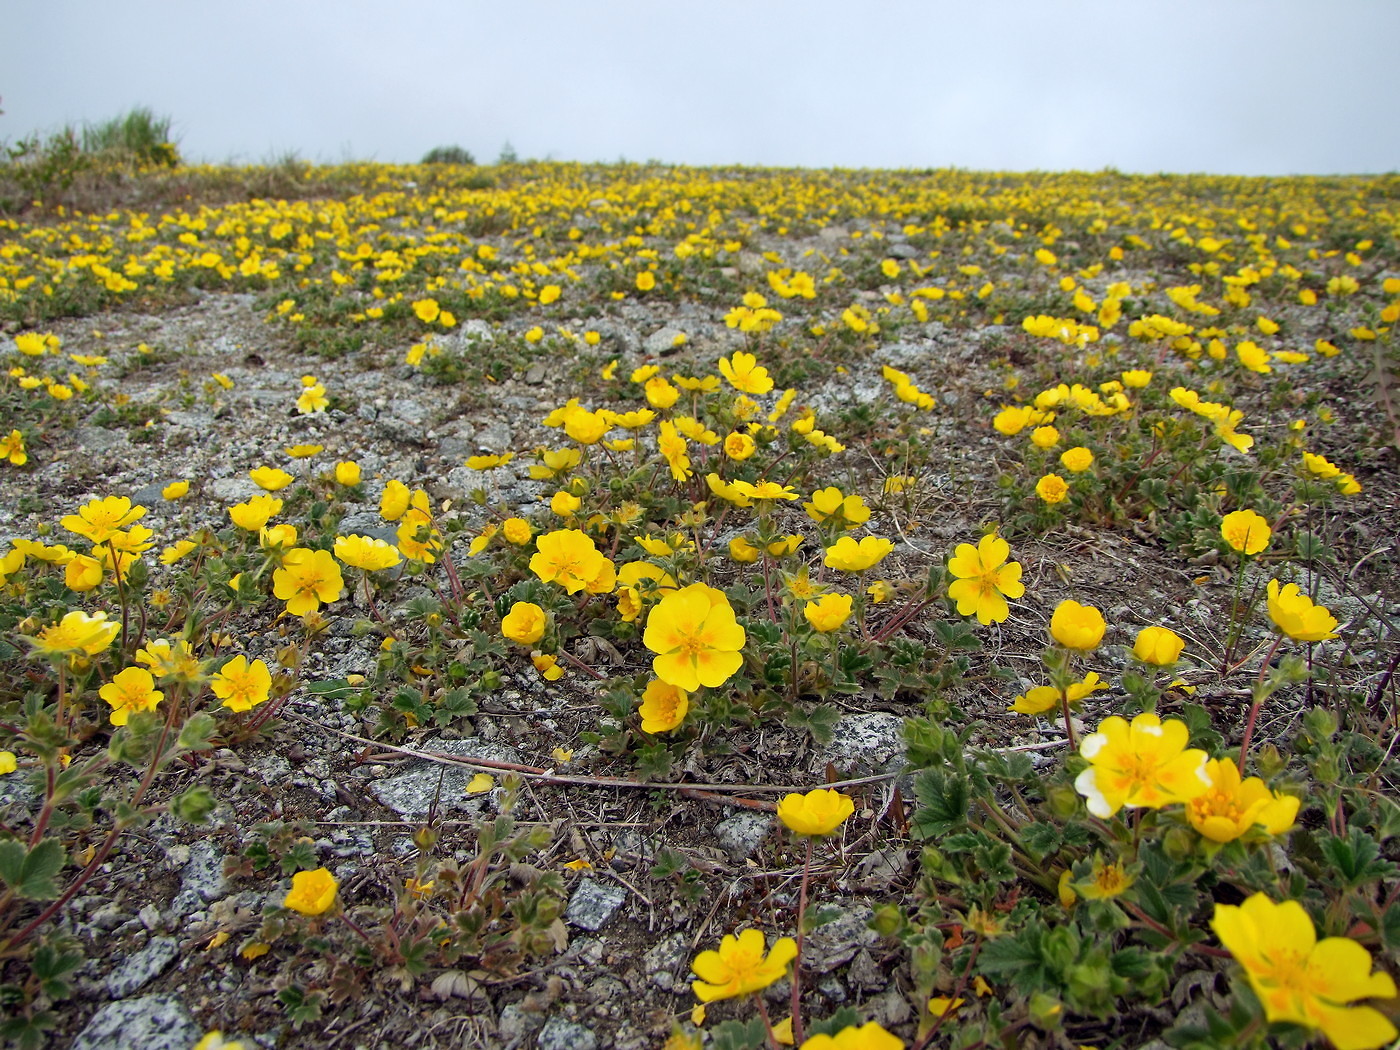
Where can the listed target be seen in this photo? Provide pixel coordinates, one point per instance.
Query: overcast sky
(1234, 86)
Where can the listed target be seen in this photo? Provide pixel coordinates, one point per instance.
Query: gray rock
(143, 967)
(559, 1034)
(663, 959)
(834, 943)
(232, 490)
(494, 436)
(662, 341)
(201, 879)
(593, 904)
(473, 331)
(100, 439)
(534, 375)
(153, 1022)
(742, 833)
(412, 792)
(903, 250)
(867, 744)
(516, 1025)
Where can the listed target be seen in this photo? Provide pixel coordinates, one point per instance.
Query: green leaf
(738, 1035)
(943, 802)
(194, 805)
(198, 733)
(30, 872)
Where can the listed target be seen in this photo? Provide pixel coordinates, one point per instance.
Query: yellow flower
(1045, 437)
(525, 623)
(306, 579)
(1246, 531)
(215, 1041)
(764, 490)
(517, 531)
(252, 515)
(312, 399)
(1295, 615)
(1105, 882)
(664, 707)
(241, 685)
(567, 557)
(1077, 626)
(12, 449)
(745, 374)
(366, 552)
(170, 659)
(1158, 645)
(491, 462)
(739, 446)
(76, 635)
(869, 1036)
(1300, 979)
(393, 502)
(828, 503)
(1137, 378)
(849, 556)
(1076, 460)
(1232, 806)
(828, 612)
(8, 764)
(646, 281)
(132, 689)
(175, 490)
(312, 892)
(741, 550)
(480, 784)
(740, 966)
(347, 473)
(985, 579)
(1052, 488)
(98, 519)
(564, 503)
(1144, 764)
(818, 812)
(1045, 697)
(83, 573)
(547, 664)
(696, 638)
(270, 479)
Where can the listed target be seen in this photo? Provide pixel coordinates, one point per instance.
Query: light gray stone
(742, 833)
(143, 967)
(516, 1025)
(412, 792)
(664, 959)
(662, 341)
(153, 1022)
(834, 943)
(201, 878)
(100, 439)
(593, 904)
(559, 1034)
(867, 744)
(473, 331)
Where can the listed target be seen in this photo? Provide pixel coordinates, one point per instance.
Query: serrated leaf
(29, 873)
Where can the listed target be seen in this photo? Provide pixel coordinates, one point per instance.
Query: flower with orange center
(132, 689)
(306, 579)
(241, 685)
(98, 519)
(1232, 806)
(664, 707)
(696, 638)
(1300, 979)
(567, 557)
(985, 579)
(740, 966)
(1145, 763)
